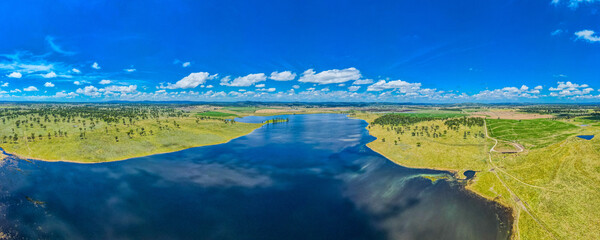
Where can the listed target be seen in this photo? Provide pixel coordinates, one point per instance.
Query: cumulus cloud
(574, 3)
(96, 66)
(282, 76)
(15, 75)
(260, 85)
(191, 81)
(75, 70)
(296, 86)
(353, 88)
(362, 82)
(64, 94)
(330, 76)
(89, 91)
(30, 89)
(186, 64)
(587, 35)
(396, 84)
(48, 84)
(82, 82)
(49, 75)
(129, 70)
(105, 82)
(5, 84)
(509, 93)
(266, 89)
(244, 81)
(119, 89)
(567, 89)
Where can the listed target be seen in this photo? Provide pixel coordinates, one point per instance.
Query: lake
(586, 137)
(309, 178)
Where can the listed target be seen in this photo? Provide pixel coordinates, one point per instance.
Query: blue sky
(393, 51)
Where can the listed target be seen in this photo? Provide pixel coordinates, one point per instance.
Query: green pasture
(533, 133)
(217, 114)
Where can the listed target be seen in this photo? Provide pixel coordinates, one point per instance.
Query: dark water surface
(586, 137)
(310, 178)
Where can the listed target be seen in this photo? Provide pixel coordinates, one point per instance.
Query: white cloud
(119, 89)
(508, 93)
(556, 32)
(330, 76)
(353, 88)
(587, 35)
(573, 4)
(244, 81)
(260, 85)
(56, 48)
(15, 90)
(538, 88)
(129, 70)
(4, 84)
(89, 91)
(191, 81)
(186, 64)
(362, 81)
(75, 70)
(266, 89)
(15, 75)
(48, 84)
(296, 86)
(64, 94)
(82, 82)
(282, 76)
(104, 82)
(396, 84)
(209, 86)
(30, 89)
(49, 75)
(95, 65)
(568, 89)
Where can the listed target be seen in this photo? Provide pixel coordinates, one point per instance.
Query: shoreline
(19, 156)
(510, 211)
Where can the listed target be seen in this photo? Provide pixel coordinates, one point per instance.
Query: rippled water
(310, 178)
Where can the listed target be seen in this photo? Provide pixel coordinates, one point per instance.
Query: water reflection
(310, 178)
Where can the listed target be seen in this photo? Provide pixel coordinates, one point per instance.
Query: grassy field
(242, 109)
(552, 187)
(445, 114)
(217, 114)
(82, 140)
(450, 152)
(535, 133)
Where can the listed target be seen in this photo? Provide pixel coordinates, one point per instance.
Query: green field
(434, 114)
(106, 133)
(552, 187)
(242, 109)
(452, 150)
(217, 114)
(535, 133)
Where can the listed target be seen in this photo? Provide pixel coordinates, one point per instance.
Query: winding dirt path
(514, 196)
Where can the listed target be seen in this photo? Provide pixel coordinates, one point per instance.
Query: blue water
(310, 178)
(586, 137)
